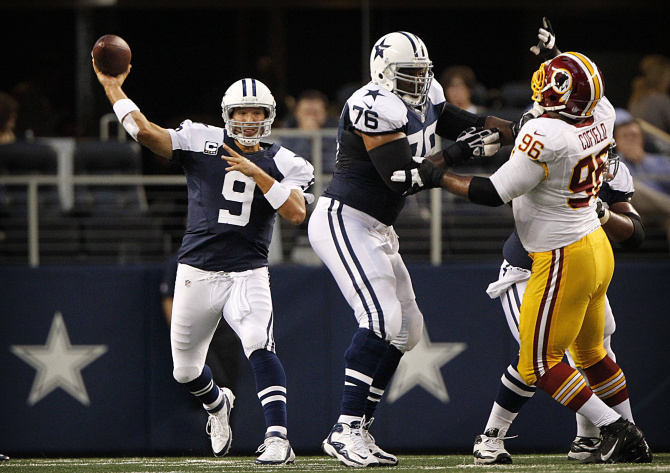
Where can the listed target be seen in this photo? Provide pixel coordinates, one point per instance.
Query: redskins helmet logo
(561, 82)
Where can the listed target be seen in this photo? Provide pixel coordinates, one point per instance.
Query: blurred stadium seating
(121, 216)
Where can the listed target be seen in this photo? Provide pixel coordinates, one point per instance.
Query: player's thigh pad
(358, 251)
(412, 318)
(194, 320)
(588, 348)
(256, 329)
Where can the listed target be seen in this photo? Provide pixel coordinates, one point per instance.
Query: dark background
(185, 54)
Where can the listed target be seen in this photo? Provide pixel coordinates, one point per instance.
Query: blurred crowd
(642, 129)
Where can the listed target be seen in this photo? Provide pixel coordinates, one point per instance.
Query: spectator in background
(9, 109)
(224, 350)
(459, 84)
(650, 98)
(311, 113)
(651, 172)
(38, 117)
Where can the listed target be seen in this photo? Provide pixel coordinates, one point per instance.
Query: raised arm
(146, 133)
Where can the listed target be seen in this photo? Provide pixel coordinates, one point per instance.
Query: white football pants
(362, 254)
(201, 298)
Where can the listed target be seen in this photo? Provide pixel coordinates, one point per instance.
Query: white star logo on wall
(421, 367)
(58, 363)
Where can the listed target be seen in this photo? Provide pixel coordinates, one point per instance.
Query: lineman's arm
(148, 134)
(289, 203)
(623, 225)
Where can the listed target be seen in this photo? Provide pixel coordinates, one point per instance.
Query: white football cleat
(346, 443)
(276, 450)
(218, 425)
(489, 449)
(384, 458)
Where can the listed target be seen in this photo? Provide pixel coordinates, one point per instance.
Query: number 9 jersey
(230, 222)
(553, 175)
(375, 110)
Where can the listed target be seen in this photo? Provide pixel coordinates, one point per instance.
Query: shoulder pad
(373, 109)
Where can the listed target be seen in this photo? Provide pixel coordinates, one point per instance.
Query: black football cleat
(621, 442)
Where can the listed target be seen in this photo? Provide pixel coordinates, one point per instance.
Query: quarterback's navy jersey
(374, 110)
(619, 189)
(230, 222)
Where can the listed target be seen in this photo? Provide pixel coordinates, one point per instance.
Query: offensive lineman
(552, 178)
(383, 124)
(623, 225)
(236, 184)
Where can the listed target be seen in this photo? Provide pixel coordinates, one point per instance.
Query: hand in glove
(424, 176)
(472, 143)
(546, 48)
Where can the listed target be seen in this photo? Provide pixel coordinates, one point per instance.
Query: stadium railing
(434, 227)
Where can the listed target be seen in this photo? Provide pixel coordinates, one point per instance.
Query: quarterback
(236, 184)
(382, 126)
(552, 179)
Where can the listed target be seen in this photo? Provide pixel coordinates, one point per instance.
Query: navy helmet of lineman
(399, 63)
(248, 93)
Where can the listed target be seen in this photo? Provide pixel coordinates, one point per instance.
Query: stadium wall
(85, 364)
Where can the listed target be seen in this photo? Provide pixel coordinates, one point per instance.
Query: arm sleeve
(481, 191)
(454, 120)
(392, 156)
(636, 239)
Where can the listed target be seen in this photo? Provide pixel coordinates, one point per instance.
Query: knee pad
(412, 327)
(253, 339)
(186, 374)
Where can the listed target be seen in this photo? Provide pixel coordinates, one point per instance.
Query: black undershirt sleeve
(392, 156)
(636, 239)
(453, 120)
(482, 191)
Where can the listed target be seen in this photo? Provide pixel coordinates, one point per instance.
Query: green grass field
(408, 463)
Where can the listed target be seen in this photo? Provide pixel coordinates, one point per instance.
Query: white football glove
(424, 176)
(480, 142)
(536, 111)
(546, 48)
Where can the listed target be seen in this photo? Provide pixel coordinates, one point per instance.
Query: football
(111, 54)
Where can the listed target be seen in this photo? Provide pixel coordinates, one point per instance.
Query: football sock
(585, 427)
(361, 361)
(513, 393)
(566, 385)
(205, 389)
(271, 387)
(381, 380)
(608, 382)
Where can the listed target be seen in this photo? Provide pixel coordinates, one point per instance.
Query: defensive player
(624, 226)
(553, 177)
(236, 184)
(383, 124)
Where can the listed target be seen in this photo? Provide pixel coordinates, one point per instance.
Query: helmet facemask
(611, 163)
(236, 128)
(411, 82)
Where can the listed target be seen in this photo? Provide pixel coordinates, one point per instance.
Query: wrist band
(277, 195)
(605, 217)
(123, 107)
